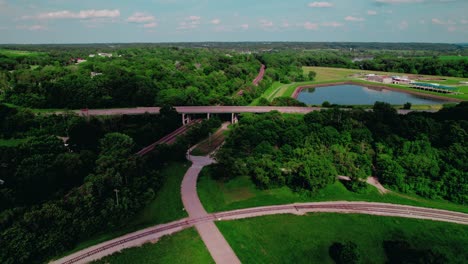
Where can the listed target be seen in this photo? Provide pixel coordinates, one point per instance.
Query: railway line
(170, 138)
(150, 234)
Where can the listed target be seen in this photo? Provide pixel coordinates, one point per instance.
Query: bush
(346, 253)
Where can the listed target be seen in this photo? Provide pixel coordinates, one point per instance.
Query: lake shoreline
(372, 86)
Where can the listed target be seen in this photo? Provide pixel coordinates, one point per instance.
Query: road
(153, 233)
(212, 110)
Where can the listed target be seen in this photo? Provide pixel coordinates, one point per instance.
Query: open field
(280, 89)
(19, 53)
(241, 192)
(306, 239)
(166, 207)
(325, 74)
(447, 58)
(183, 247)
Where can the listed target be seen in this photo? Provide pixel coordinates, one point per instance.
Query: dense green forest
(421, 153)
(65, 76)
(54, 194)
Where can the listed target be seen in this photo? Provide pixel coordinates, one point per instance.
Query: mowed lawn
(180, 248)
(19, 53)
(166, 207)
(241, 192)
(306, 239)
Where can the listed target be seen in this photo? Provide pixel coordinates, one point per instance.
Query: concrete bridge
(188, 111)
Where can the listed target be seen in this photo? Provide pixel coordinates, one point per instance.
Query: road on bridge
(211, 110)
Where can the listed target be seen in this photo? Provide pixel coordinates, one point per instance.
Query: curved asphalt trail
(210, 234)
(215, 242)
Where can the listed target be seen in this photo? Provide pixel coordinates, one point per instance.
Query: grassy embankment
(183, 247)
(332, 75)
(241, 192)
(166, 207)
(306, 239)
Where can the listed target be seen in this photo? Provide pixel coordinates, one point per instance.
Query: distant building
(108, 55)
(379, 78)
(401, 80)
(93, 74)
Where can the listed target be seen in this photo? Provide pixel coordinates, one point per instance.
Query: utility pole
(117, 196)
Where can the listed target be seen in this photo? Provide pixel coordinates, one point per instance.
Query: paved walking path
(151, 234)
(214, 240)
(210, 234)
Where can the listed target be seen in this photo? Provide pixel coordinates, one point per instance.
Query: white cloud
(332, 24)
(371, 12)
(451, 29)
(403, 25)
(194, 18)
(140, 17)
(215, 21)
(266, 23)
(311, 26)
(464, 21)
(285, 24)
(320, 4)
(244, 26)
(441, 22)
(399, 1)
(190, 22)
(354, 19)
(33, 27)
(150, 25)
(83, 14)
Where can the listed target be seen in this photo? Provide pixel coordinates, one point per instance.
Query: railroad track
(380, 209)
(170, 138)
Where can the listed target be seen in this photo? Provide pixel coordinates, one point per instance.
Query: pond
(348, 94)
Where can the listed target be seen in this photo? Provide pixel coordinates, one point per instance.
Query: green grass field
(241, 192)
(166, 207)
(306, 239)
(183, 247)
(19, 53)
(325, 75)
(447, 58)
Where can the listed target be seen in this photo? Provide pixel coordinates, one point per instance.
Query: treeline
(55, 194)
(132, 77)
(420, 153)
(428, 66)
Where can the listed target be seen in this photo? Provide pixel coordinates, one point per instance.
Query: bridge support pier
(234, 118)
(185, 119)
(208, 115)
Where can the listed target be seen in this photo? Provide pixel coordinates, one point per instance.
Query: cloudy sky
(91, 21)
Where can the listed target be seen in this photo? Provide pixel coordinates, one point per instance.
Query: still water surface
(359, 95)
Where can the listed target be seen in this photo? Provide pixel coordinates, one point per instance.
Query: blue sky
(91, 21)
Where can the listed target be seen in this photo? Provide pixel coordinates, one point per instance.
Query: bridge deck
(200, 110)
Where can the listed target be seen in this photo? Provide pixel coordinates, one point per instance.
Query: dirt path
(374, 181)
